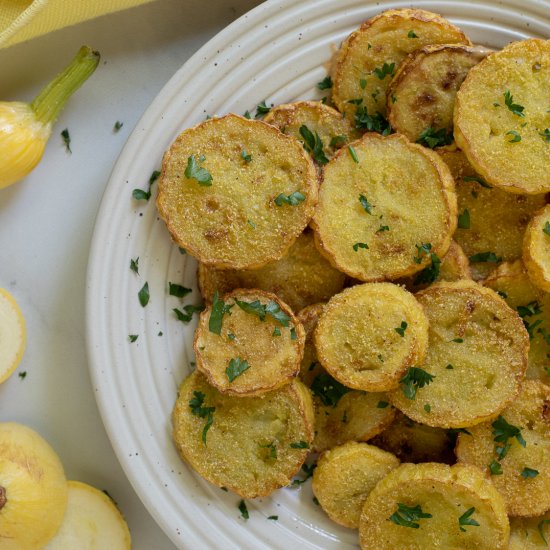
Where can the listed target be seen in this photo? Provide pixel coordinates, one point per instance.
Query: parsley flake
(422, 250)
(357, 246)
(292, 200)
(325, 84)
(118, 125)
(299, 445)
(529, 473)
(495, 468)
(434, 138)
(132, 338)
(178, 291)
(401, 330)
(261, 310)
(457, 340)
(22, 374)
(429, 274)
(276, 332)
(464, 220)
(273, 518)
(372, 123)
(514, 107)
(338, 141)
(134, 265)
(313, 145)
(140, 194)
(293, 334)
(353, 154)
(540, 527)
(412, 34)
(477, 179)
(195, 172)
(328, 390)
(545, 134)
(366, 204)
(415, 379)
(489, 257)
(243, 509)
(515, 136)
(382, 228)
(219, 309)
(143, 295)
(382, 404)
(502, 431)
(466, 519)
(407, 516)
(236, 367)
(247, 157)
(428, 407)
(186, 315)
(66, 140)
(546, 228)
(385, 70)
(261, 110)
(196, 406)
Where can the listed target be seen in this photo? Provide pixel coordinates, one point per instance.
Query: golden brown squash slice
(530, 533)
(536, 249)
(501, 117)
(236, 193)
(250, 445)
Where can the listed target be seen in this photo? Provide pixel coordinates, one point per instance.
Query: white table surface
(47, 219)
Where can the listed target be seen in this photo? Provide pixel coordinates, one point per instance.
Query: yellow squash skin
(34, 487)
(22, 141)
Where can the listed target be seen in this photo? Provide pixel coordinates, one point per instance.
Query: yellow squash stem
(25, 128)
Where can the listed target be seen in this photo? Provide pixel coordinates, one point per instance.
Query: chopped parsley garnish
(308, 470)
(457, 340)
(357, 246)
(182, 250)
(529, 473)
(546, 228)
(132, 337)
(401, 330)
(415, 379)
(353, 154)
(515, 136)
(466, 519)
(273, 518)
(22, 374)
(243, 509)
(195, 172)
(293, 199)
(293, 334)
(545, 134)
(261, 110)
(431, 273)
(427, 407)
(412, 34)
(514, 107)
(382, 404)
(178, 290)
(489, 257)
(134, 265)
(449, 367)
(299, 445)
(464, 220)
(66, 140)
(325, 84)
(530, 310)
(382, 228)
(407, 516)
(186, 315)
(502, 294)
(247, 114)
(495, 468)
(422, 250)
(140, 194)
(313, 144)
(276, 332)
(251, 224)
(247, 157)
(434, 138)
(338, 141)
(118, 125)
(366, 204)
(502, 431)
(363, 83)
(372, 123)
(385, 70)
(477, 179)
(328, 390)
(219, 309)
(143, 295)
(236, 367)
(261, 310)
(196, 406)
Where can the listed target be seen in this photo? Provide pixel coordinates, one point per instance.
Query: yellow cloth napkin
(21, 20)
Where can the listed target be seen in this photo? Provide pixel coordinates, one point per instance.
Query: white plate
(278, 52)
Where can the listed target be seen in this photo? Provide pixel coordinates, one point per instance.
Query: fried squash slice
(369, 335)
(476, 361)
(413, 442)
(249, 445)
(236, 193)
(514, 450)
(300, 278)
(248, 342)
(345, 476)
(530, 533)
(421, 96)
(536, 249)
(369, 57)
(491, 221)
(435, 506)
(501, 118)
(533, 305)
(385, 206)
(321, 128)
(341, 414)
